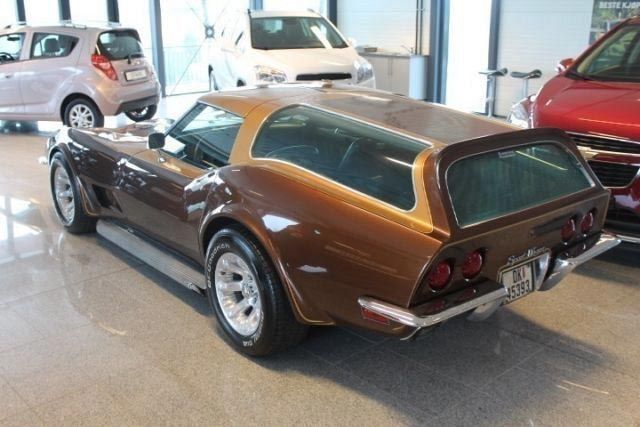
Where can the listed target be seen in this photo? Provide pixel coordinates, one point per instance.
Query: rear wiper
(573, 73)
(134, 55)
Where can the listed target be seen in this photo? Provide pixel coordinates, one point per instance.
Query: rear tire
(247, 296)
(67, 200)
(82, 113)
(142, 114)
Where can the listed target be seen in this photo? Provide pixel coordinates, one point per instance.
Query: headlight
(519, 115)
(364, 72)
(269, 75)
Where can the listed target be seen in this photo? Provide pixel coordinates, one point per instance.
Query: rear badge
(532, 252)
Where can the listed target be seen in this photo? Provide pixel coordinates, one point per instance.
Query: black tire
(278, 329)
(142, 114)
(79, 222)
(83, 103)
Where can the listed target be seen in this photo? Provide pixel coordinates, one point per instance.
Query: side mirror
(352, 42)
(564, 64)
(155, 141)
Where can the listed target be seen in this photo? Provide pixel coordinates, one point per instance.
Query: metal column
(113, 12)
(64, 9)
(158, 44)
(22, 17)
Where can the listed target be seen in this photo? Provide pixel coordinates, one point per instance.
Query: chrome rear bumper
(486, 304)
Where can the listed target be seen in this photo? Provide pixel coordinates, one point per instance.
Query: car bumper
(113, 99)
(488, 297)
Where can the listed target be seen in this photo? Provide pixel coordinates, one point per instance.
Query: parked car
(300, 205)
(76, 74)
(254, 47)
(596, 98)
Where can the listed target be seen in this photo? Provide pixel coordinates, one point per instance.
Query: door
(47, 72)
(11, 46)
(163, 192)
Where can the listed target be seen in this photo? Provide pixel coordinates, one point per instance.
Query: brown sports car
(316, 204)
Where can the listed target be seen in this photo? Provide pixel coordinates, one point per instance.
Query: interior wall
(537, 34)
(388, 25)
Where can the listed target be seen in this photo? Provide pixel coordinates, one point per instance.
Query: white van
(255, 47)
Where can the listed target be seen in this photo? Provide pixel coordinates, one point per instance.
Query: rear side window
(10, 47)
(46, 45)
(118, 45)
(491, 185)
(365, 158)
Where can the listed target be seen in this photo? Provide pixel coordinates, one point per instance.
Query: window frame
(24, 42)
(414, 168)
(184, 116)
(33, 45)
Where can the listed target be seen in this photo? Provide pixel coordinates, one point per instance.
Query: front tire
(247, 296)
(142, 114)
(67, 200)
(82, 113)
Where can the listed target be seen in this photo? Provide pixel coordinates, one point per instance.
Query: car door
(163, 191)
(48, 71)
(11, 47)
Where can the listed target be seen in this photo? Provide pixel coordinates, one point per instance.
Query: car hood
(609, 108)
(310, 61)
(130, 139)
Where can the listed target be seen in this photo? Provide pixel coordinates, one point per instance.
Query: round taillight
(587, 223)
(569, 229)
(439, 276)
(472, 264)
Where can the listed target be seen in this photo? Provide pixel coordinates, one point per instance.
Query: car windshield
(294, 32)
(490, 185)
(118, 45)
(616, 59)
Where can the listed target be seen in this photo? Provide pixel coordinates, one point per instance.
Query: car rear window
(118, 45)
(367, 159)
(494, 184)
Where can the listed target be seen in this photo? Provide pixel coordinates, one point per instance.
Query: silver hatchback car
(76, 74)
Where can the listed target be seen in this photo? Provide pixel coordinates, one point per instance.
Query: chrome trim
(156, 258)
(565, 265)
(629, 239)
(406, 317)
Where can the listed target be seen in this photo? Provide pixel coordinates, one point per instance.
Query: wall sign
(606, 14)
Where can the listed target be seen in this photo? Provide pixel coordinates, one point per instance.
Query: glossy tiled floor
(89, 336)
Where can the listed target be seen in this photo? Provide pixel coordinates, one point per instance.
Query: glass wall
(319, 6)
(90, 10)
(137, 14)
(8, 12)
(41, 12)
(187, 49)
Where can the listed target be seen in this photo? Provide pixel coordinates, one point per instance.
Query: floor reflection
(19, 239)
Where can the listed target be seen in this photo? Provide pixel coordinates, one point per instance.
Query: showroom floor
(90, 336)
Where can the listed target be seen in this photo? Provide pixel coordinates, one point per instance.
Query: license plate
(135, 75)
(518, 281)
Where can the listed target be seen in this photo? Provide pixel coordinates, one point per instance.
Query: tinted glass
(494, 184)
(618, 58)
(294, 32)
(117, 45)
(10, 47)
(52, 45)
(204, 137)
(364, 158)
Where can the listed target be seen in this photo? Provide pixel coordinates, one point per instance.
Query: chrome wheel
(64, 194)
(81, 116)
(237, 293)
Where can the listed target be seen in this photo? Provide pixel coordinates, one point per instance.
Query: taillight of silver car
(103, 64)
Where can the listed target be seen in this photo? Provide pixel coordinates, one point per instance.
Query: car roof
(62, 26)
(278, 13)
(434, 123)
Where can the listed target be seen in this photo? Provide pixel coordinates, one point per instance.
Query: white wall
(537, 34)
(386, 24)
(319, 6)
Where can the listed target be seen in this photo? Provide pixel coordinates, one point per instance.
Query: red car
(596, 99)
